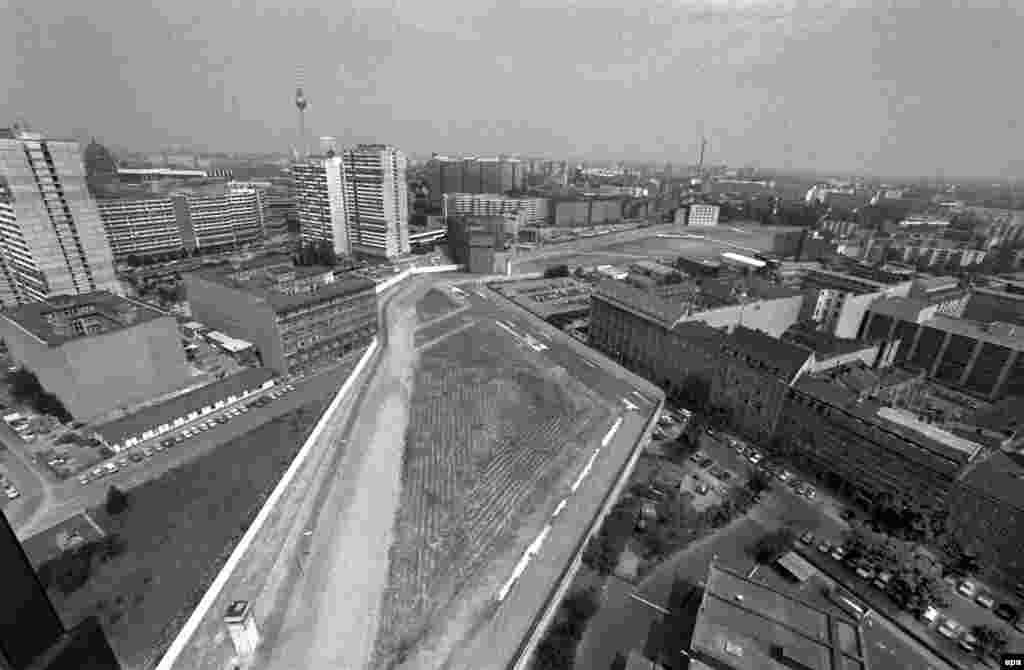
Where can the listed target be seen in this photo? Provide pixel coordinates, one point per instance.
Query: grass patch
(177, 533)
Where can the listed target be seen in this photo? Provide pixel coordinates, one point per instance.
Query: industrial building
(534, 211)
(557, 301)
(473, 175)
(376, 201)
(983, 359)
(299, 318)
(837, 301)
(1001, 300)
(319, 194)
(586, 212)
(746, 625)
(185, 221)
(97, 352)
(52, 241)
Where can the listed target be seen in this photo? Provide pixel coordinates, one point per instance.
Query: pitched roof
(147, 418)
(784, 358)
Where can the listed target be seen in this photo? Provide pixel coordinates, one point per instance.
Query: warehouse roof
(147, 418)
(61, 318)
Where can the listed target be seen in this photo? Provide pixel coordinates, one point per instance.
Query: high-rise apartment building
(534, 210)
(319, 195)
(227, 219)
(376, 202)
(473, 175)
(51, 238)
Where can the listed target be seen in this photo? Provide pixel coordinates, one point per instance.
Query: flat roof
(786, 358)
(114, 432)
(999, 476)
(748, 626)
(52, 320)
(549, 297)
(796, 565)
(265, 289)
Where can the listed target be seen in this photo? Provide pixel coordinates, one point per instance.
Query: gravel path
(332, 618)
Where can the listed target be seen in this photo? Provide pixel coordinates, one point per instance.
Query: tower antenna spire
(301, 102)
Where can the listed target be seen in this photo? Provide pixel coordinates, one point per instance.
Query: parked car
(785, 476)
(930, 615)
(706, 463)
(865, 573)
(949, 629)
(807, 539)
(1006, 612)
(147, 452)
(12, 494)
(968, 642)
(754, 457)
(136, 457)
(697, 457)
(839, 553)
(883, 580)
(825, 547)
(702, 488)
(179, 438)
(985, 600)
(967, 589)
(84, 479)
(167, 443)
(290, 387)
(809, 492)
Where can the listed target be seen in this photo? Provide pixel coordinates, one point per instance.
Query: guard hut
(241, 623)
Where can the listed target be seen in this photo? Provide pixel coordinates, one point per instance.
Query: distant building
(298, 317)
(32, 636)
(742, 625)
(143, 175)
(478, 243)
(376, 202)
(141, 226)
(319, 195)
(837, 302)
(702, 215)
(533, 210)
(97, 352)
(473, 175)
(1002, 301)
(51, 238)
(980, 358)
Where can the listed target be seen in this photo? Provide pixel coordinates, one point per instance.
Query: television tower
(301, 103)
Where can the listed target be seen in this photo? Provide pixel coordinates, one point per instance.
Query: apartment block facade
(533, 210)
(51, 237)
(319, 194)
(298, 318)
(141, 226)
(376, 200)
(97, 352)
(702, 215)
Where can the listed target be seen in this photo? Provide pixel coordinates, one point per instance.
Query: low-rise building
(157, 420)
(97, 352)
(746, 625)
(478, 243)
(298, 317)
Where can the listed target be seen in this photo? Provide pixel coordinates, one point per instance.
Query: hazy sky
(886, 87)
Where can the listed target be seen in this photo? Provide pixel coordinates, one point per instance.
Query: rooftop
(62, 318)
(824, 344)
(1003, 334)
(748, 626)
(929, 284)
(547, 297)
(265, 287)
(999, 476)
(115, 432)
(947, 455)
(907, 309)
(784, 358)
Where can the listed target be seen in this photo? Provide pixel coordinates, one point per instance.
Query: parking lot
(828, 520)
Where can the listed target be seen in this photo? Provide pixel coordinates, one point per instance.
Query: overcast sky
(885, 87)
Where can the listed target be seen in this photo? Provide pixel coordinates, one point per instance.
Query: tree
(770, 547)
(582, 604)
(758, 482)
(991, 641)
(117, 501)
(600, 555)
(556, 271)
(555, 652)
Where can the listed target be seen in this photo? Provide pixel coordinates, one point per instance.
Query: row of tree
(25, 387)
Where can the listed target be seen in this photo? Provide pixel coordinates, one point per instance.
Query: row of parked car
(10, 490)
(773, 469)
(140, 455)
(946, 626)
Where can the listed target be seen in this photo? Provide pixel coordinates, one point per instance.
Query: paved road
(70, 497)
(36, 491)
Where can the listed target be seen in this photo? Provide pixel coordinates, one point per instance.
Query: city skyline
(783, 84)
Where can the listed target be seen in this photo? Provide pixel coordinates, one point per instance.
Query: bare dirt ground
(331, 621)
